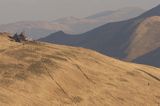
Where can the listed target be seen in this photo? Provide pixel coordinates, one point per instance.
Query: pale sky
(19, 10)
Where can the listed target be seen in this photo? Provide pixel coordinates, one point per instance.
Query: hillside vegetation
(41, 74)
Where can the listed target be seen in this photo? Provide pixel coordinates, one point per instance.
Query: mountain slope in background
(146, 38)
(150, 58)
(72, 25)
(126, 40)
(30, 76)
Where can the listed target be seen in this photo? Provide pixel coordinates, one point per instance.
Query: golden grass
(40, 74)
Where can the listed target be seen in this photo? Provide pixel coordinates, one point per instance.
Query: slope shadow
(152, 58)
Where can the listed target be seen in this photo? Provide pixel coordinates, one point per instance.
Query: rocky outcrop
(20, 38)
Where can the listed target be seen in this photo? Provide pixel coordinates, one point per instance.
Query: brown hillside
(146, 38)
(41, 74)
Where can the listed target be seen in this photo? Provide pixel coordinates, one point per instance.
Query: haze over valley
(71, 25)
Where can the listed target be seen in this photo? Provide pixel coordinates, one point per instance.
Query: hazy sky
(18, 10)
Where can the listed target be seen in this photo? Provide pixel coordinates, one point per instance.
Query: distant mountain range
(33, 29)
(137, 39)
(81, 25)
(71, 25)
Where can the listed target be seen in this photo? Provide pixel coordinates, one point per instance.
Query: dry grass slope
(41, 74)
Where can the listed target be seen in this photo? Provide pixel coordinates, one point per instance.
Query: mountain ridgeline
(72, 25)
(130, 40)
